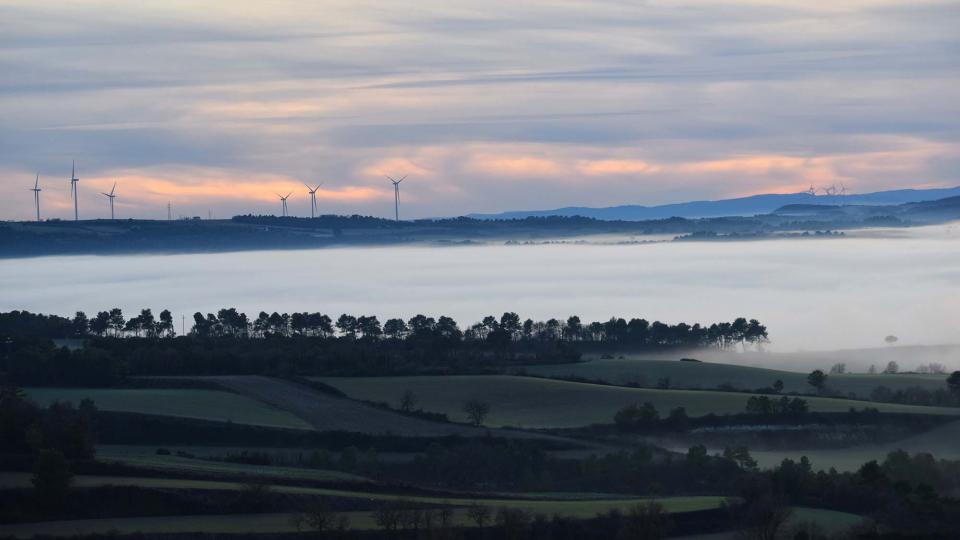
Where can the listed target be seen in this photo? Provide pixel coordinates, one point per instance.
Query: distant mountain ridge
(743, 206)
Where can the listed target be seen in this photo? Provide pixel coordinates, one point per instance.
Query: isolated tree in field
(817, 379)
(777, 386)
(477, 411)
(953, 382)
(892, 368)
(408, 401)
(478, 514)
(890, 340)
(51, 477)
(838, 369)
(872, 370)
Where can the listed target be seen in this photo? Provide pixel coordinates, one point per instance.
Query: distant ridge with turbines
(741, 206)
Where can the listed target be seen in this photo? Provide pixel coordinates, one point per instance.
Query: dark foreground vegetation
(903, 494)
(399, 481)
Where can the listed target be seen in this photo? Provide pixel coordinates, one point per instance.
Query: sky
(219, 106)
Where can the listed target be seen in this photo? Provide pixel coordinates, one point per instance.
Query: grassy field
(587, 505)
(185, 403)
(534, 403)
(145, 457)
(708, 375)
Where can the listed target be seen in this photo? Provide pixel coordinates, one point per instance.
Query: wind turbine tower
(111, 196)
(396, 196)
(36, 195)
(284, 201)
(313, 199)
(73, 190)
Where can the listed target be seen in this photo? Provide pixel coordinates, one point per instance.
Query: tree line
(503, 330)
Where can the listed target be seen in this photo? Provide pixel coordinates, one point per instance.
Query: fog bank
(816, 294)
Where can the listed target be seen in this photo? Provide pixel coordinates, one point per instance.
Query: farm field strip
(147, 458)
(673, 504)
(216, 405)
(326, 412)
(710, 375)
(529, 402)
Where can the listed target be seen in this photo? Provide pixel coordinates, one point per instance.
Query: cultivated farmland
(185, 403)
(709, 375)
(543, 403)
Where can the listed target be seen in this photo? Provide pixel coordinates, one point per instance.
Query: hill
(709, 375)
(529, 402)
(742, 206)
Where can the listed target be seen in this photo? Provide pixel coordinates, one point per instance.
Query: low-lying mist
(813, 294)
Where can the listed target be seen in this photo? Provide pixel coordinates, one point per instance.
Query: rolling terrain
(708, 375)
(184, 403)
(528, 402)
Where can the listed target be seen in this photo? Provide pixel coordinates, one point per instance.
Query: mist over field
(816, 294)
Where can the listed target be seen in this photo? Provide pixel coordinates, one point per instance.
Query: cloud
(486, 107)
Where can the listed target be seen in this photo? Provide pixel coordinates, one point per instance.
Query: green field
(145, 457)
(588, 506)
(543, 403)
(185, 403)
(708, 375)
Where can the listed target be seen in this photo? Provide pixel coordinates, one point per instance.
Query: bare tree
(408, 401)
(477, 411)
(389, 516)
(478, 514)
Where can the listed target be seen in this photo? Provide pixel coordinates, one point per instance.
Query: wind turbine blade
(318, 186)
(37, 183)
(114, 188)
(402, 179)
(288, 195)
(308, 187)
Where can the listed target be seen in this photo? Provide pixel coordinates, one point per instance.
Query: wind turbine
(111, 196)
(73, 189)
(36, 195)
(313, 199)
(284, 201)
(396, 196)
